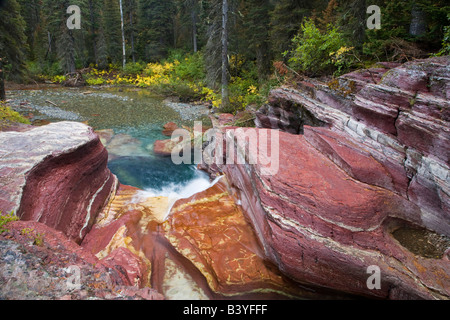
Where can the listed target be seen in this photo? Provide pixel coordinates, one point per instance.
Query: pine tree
(224, 40)
(111, 30)
(286, 19)
(31, 13)
(65, 40)
(186, 24)
(353, 20)
(130, 27)
(256, 25)
(213, 52)
(12, 40)
(155, 24)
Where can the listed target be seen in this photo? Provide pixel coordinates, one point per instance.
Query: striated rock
(203, 249)
(129, 224)
(50, 269)
(322, 225)
(397, 116)
(375, 163)
(57, 175)
(210, 230)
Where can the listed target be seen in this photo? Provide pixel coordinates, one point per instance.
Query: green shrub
(132, 68)
(91, 81)
(314, 50)
(4, 220)
(191, 68)
(7, 116)
(446, 41)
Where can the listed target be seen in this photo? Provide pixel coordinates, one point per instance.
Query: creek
(134, 119)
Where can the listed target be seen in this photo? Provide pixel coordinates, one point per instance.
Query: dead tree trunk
(124, 53)
(225, 93)
(2, 82)
(418, 25)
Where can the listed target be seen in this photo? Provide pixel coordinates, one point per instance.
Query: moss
(8, 116)
(344, 90)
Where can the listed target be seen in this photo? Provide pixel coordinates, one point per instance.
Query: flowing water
(136, 117)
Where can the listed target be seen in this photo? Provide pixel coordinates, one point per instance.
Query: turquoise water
(135, 116)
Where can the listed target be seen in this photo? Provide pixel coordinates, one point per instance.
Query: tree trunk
(49, 48)
(361, 25)
(194, 29)
(133, 54)
(225, 93)
(94, 38)
(124, 53)
(418, 25)
(2, 82)
(67, 52)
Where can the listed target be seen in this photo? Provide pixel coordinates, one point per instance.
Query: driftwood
(52, 103)
(74, 80)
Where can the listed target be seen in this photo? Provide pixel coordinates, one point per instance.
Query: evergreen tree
(213, 52)
(353, 15)
(256, 26)
(187, 24)
(61, 38)
(286, 19)
(12, 40)
(155, 24)
(111, 30)
(130, 26)
(31, 12)
(94, 38)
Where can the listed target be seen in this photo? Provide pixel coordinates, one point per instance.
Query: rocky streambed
(362, 184)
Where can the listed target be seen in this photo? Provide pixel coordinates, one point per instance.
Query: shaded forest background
(312, 37)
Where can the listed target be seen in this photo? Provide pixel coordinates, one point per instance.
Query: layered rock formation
(358, 177)
(56, 175)
(57, 268)
(196, 248)
(371, 158)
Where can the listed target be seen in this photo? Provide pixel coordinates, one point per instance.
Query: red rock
(400, 118)
(357, 162)
(323, 227)
(206, 236)
(111, 278)
(165, 147)
(124, 259)
(169, 128)
(427, 136)
(211, 232)
(124, 234)
(57, 175)
(226, 119)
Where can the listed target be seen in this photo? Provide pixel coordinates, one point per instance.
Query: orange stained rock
(211, 231)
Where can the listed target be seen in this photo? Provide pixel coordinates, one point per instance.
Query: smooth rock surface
(55, 174)
(203, 249)
(323, 227)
